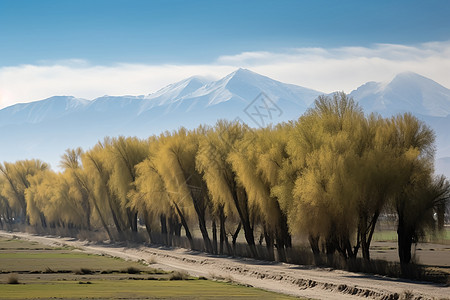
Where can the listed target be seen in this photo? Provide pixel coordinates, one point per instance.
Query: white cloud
(322, 69)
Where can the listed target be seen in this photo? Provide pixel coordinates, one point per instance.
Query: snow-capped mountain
(38, 111)
(406, 92)
(174, 92)
(44, 129)
(238, 88)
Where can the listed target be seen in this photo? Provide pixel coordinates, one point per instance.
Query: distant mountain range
(45, 128)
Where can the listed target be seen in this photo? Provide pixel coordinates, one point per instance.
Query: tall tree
(16, 182)
(226, 192)
(175, 161)
(151, 197)
(256, 163)
(420, 195)
(99, 174)
(123, 154)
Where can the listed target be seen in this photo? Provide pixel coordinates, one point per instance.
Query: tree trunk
(269, 244)
(162, 219)
(178, 229)
(185, 225)
(204, 231)
(214, 230)
(148, 226)
(366, 238)
(102, 220)
(330, 248)
(405, 240)
(365, 247)
(348, 247)
(116, 219)
(284, 228)
(223, 233)
(281, 248)
(249, 237)
(197, 198)
(245, 221)
(43, 221)
(234, 237)
(132, 218)
(314, 243)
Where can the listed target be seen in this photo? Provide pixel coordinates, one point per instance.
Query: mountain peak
(407, 91)
(242, 71)
(245, 74)
(411, 78)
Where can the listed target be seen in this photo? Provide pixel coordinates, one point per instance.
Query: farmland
(33, 270)
(282, 278)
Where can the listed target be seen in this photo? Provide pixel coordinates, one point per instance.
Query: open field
(301, 281)
(67, 272)
(391, 236)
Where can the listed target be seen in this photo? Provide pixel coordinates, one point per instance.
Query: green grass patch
(440, 237)
(36, 272)
(192, 289)
(385, 236)
(57, 260)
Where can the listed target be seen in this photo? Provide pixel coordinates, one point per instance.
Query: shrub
(407, 295)
(48, 270)
(84, 271)
(132, 270)
(13, 279)
(179, 275)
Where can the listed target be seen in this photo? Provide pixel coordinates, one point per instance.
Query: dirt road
(304, 281)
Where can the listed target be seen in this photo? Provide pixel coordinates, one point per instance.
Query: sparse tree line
(328, 176)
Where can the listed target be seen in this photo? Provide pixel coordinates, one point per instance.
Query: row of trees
(328, 176)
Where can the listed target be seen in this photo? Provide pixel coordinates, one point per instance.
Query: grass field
(442, 237)
(32, 271)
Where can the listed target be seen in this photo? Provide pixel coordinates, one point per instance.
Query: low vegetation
(12, 279)
(123, 280)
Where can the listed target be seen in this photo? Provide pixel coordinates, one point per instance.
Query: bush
(84, 271)
(407, 295)
(179, 275)
(13, 279)
(131, 270)
(48, 270)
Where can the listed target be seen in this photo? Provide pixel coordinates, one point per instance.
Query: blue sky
(110, 34)
(198, 31)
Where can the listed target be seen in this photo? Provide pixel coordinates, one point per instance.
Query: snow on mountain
(406, 92)
(174, 92)
(244, 85)
(239, 88)
(39, 111)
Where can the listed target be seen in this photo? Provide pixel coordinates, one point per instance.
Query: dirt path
(310, 282)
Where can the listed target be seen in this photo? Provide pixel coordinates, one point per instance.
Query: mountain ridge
(407, 91)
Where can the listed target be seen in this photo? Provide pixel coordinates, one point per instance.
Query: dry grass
(84, 271)
(179, 275)
(13, 279)
(407, 295)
